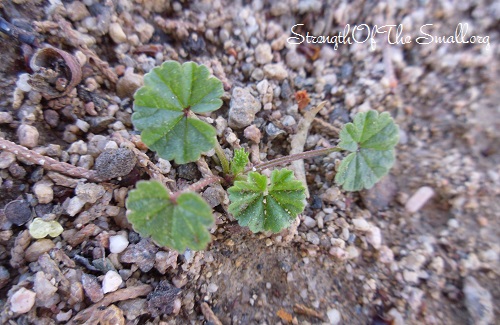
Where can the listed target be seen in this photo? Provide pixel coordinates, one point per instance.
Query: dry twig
(209, 314)
(47, 162)
(118, 295)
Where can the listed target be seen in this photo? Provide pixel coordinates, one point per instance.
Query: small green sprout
(164, 113)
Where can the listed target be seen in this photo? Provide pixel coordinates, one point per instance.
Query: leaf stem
(288, 159)
(196, 187)
(222, 158)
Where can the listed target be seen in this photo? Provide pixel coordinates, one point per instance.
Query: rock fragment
(263, 53)
(161, 300)
(92, 287)
(242, 108)
(142, 254)
(43, 192)
(22, 301)
(28, 136)
(478, 301)
(37, 248)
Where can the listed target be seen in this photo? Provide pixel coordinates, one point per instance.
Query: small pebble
(478, 301)
(22, 301)
(6, 159)
(28, 136)
(117, 244)
(275, 71)
(18, 212)
(91, 287)
(361, 224)
(89, 192)
(111, 282)
(43, 192)
(242, 108)
(212, 288)
(75, 205)
(116, 33)
(418, 199)
(263, 53)
(334, 316)
(38, 248)
(252, 133)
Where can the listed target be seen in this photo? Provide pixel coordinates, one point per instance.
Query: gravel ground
(421, 247)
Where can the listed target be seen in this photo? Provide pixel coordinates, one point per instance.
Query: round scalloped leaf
(371, 138)
(178, 225)
(267, 208)
(162, 109)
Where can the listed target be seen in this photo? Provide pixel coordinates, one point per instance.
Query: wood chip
(306, 311)
(209, 314)
(286, 317)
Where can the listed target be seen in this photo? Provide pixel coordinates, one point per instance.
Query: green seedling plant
(165, 111)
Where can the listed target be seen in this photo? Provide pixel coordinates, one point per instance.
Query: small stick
(196, 187)
(209, 314)
(47, 162)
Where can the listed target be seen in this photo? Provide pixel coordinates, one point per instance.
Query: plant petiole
(290, 158)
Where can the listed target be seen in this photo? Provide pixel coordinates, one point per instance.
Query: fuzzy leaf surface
(371, 138)
(162, 109)
(178, 225)
(267, 207)
(239, 162)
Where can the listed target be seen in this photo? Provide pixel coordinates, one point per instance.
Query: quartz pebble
(22, 301)
(112, 281)
(75, 205)
(334, 316)
(117, 244)
(89, 192)
(361, 224)
(418, 199)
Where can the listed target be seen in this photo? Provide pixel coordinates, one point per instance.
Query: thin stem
(290, 158)
(47, 162)
(222, 158)
(196, 187)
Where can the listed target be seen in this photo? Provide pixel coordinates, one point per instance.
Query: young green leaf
(162, 110)
(262, 207)
(239, 162)
(371, 138)
(178, 225)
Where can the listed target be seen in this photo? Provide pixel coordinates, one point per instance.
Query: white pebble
(164, 165)
(352, 252)
(22, 82)
(212, 287)
(22, 301)
(117, 244)
(361, 224)
(417, 200)
(112, 281)
(374, 237)
(333, 316)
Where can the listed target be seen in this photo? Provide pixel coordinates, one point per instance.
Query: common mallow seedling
(164, 110)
